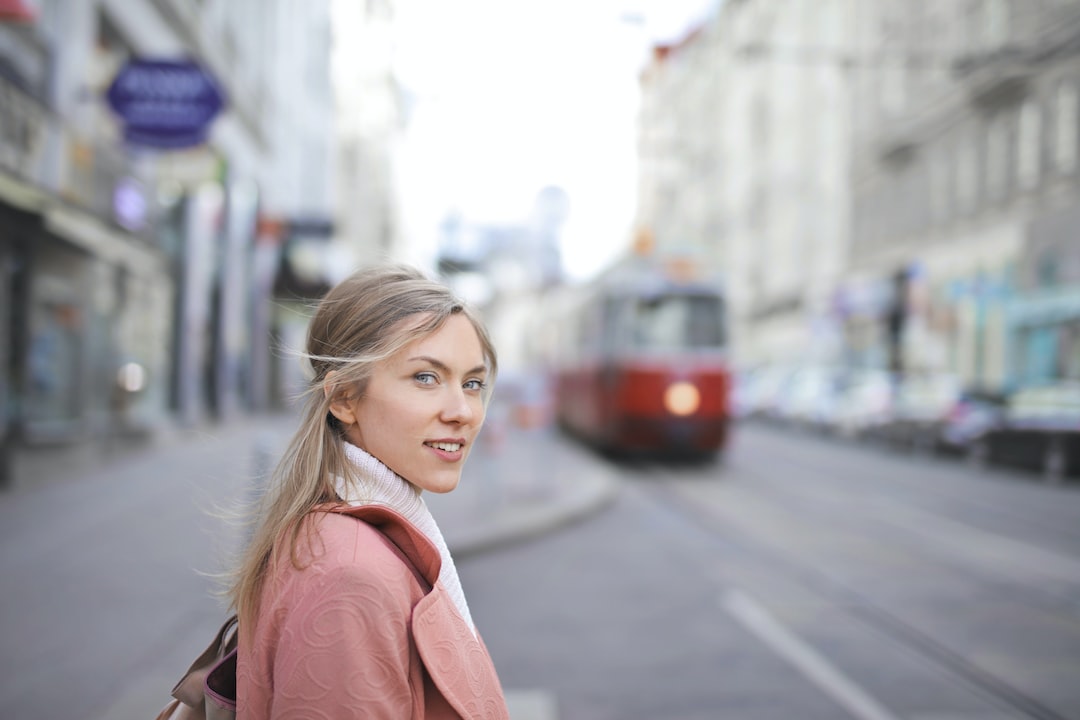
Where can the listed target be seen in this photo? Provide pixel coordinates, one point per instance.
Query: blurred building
(371, 115)
(135, 271)
(883, 184)
(966, 197)
(505, 269)
(744, 156)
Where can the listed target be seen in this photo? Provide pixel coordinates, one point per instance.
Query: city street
(658, 217)
(112, 560)
(801, 578)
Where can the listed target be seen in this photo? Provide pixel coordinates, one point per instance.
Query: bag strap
(190, 688)
(218, 646)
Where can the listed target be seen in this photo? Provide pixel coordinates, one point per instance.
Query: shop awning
(84, 230)
(21, 194)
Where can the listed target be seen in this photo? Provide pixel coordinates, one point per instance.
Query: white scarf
(382, 486)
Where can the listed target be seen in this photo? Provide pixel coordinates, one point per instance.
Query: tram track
(968, 546)
(858, 605)
(901, 466)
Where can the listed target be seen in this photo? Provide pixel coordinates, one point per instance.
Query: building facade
(744, 160)
(370, 123)
(129, 279)
(966, 195)
(883, 184)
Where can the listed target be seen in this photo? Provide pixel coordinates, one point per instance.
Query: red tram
(643, 366)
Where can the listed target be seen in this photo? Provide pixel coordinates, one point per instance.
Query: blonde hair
(363, 320)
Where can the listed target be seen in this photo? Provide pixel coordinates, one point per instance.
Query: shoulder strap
(190, 689)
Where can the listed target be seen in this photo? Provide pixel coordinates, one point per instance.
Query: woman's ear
(340, 398)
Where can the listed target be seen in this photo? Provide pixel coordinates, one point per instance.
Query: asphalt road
(109, 575)
(799, 578)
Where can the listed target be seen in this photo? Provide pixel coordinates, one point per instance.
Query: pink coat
(363, 630)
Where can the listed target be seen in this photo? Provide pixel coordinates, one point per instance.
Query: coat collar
(416, 546)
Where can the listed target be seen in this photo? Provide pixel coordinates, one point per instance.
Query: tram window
(679, 322)
(705, 322)
(613, 309)
(588, 333)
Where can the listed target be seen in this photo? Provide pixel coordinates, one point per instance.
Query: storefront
(89, 350)
(957, 298)
(56, 352)
(19, 226)
(860, 307)
(1044, 319)
(1046, 327)
(26, 63)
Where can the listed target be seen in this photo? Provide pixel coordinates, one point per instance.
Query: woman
(349, 603)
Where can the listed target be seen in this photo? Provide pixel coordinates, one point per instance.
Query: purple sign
(165, 103)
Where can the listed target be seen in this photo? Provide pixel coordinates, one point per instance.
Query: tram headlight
(131, 377)
(682, 398)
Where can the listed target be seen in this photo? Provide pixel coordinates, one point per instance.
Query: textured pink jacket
(363, 630)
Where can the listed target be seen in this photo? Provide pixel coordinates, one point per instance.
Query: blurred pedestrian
(349, 603)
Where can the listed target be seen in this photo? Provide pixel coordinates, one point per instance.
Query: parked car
(1039, 430)
(973, 413)
(922, 408)
(743, 399)
(808, 397)
(863, 404)
(758, 391)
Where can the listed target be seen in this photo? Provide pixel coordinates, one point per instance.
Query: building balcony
(997, 78)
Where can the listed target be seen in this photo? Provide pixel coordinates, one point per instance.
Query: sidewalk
(517, 483)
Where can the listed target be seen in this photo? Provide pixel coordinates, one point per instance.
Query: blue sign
(165, 103)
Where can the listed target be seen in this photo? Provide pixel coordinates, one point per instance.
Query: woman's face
(423, 407)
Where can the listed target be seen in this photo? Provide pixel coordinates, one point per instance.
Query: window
(893, 89)
(995, 23)
(1047, 270)
(677, 322)
(1028, 145)
(939, 187)
(1065, 142)
(965, 176)
(997, 146)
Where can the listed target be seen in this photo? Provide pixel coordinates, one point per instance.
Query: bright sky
(513, 96)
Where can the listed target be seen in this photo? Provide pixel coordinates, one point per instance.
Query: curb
(530, 523)
(586, 488)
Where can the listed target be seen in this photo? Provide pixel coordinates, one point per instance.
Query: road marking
(531, 705)
(755, 618)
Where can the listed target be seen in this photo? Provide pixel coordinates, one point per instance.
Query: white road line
(813, 665)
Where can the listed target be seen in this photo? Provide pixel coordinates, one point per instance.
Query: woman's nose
(458, 407)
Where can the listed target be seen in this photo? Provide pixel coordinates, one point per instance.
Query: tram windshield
(667, 323)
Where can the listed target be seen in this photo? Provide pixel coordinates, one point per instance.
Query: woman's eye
(475, 385)
(426, 378)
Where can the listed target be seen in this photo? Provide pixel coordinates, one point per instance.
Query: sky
(508, 97)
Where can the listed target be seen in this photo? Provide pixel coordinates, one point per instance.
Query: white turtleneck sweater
(379, 485)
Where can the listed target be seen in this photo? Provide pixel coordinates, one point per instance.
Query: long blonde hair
(362, 321)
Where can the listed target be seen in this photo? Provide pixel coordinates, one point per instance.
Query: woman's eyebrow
(440, 365)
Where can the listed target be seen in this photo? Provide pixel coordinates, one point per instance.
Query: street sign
(165, 103)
